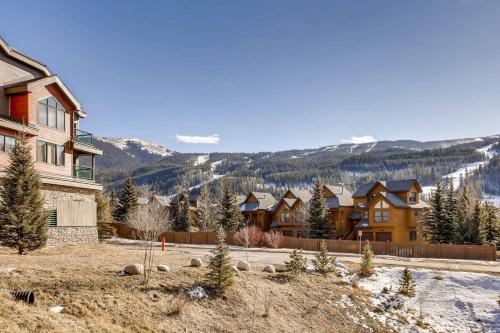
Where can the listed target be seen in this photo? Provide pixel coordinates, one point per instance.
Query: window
(412, 197)
(413, 235)
(285, 216)
(7, 143)
(51, 113)
(49, 153)
(381, 213)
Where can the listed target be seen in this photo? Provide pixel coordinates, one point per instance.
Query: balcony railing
(84, 137)
(83, 172)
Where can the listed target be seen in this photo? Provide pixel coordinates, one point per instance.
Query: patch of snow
(197, 293)
(478, 140)
(461, 172)
(460, 302)
(495, 199)
(486, 150)
(371, 147)
(202, 159)
(56, 309)
(150, 147)
(352, 148)
(330, 148)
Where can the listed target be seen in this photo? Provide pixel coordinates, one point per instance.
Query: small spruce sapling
(407, 283)
(297, 264)
(220, 275)
(324, 264)
(366, 267)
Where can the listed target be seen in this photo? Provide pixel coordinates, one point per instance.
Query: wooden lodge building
(35, 101)
(380, 211)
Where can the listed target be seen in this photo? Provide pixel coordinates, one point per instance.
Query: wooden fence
(445, 251)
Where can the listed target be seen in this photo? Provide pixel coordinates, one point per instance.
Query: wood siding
(76, 213)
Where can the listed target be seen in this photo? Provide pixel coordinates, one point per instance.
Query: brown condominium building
(382, 211)
(35, 101)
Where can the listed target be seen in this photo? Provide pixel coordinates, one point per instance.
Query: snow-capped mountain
(127, 144)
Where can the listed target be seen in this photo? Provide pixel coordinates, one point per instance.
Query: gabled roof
(403, 185)
(364, 189)
(163, 200)
(342, 197)
(31, 84)
(264, 201)
(15, 54)
(392, 199)
(303, 195)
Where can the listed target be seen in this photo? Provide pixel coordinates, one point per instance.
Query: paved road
(266, 256)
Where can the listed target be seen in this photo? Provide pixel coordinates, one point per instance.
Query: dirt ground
(84, 281)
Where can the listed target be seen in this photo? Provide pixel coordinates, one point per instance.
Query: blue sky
(270, 75)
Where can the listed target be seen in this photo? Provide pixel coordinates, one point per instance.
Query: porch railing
(84, 137)
(82, 172)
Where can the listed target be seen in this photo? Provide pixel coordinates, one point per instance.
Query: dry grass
(84, 281)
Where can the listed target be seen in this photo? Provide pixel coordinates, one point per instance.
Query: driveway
(265, 256)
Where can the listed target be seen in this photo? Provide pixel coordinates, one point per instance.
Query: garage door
(383, 236)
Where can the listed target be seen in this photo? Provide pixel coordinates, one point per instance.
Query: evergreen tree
(323, 263)
(127, 203)
(474, 224)
(206, 216)
(113, 202)
(366, 266)
(297, 264)
(447, 228)
(181, 220)
(104, 218)
(220, 275)
(434, 227)
(319, 221)
(465, 208)
(230, 218)
(490, 226)
(407, 283)
(23, 220)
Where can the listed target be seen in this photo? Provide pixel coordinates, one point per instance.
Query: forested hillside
(350, 164)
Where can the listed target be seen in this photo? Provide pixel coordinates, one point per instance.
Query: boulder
(280, 268)
(270, 269)
(243, 266)
(134, 269)
(163, 268)
(196, 262)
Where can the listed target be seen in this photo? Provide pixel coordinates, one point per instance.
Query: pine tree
(104, 218)
(450, 214)
(220, 275)
(366, 266)
(297, 264)
(323, 264)
(465, 207)
(490, 226)
(113, 202)
(181, 220)
(475, 223)
(434, 226)
(127, 203)
(230, 218)
(319, 221)
(407, 283)
(206, 216)
(23, 220)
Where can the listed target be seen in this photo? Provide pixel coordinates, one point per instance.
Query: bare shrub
(355, 282)
(273, 239)
(149, 221)
(178, 305)
(438, 277)
(248, 237)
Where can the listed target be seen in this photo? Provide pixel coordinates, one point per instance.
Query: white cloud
(359, 139)
(210, 139)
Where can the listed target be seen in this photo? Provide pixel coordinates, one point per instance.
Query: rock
(235, 269)
(134, 269)
(163, 268)
(196, 262)
(56, 309)
(280, 268)
(270, 269)
(243, 266)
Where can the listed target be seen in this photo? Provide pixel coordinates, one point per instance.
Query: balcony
(82, 172)
(18, 126)
(84, 141)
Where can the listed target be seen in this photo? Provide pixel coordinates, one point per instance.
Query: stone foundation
(71, 235)
(52, 193)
